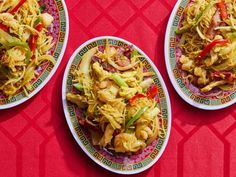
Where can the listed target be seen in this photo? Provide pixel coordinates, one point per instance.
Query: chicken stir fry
(118, 98)
(208, 44)
(24, 44)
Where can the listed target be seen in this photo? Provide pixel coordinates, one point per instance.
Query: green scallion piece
(136, 117)
(42, 8)
(79, 86)
(118, 80)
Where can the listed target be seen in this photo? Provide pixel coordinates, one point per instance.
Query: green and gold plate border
(171, 58)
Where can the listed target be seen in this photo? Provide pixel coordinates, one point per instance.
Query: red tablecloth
(35, 139)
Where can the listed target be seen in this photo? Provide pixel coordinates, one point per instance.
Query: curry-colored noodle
(208, 44)
(24, 43)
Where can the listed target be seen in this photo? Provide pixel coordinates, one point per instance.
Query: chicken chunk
(108, 94)
(202, 74)
(125, 142)
(80, 101)
(100, 72)
(107, 136)
(47, 19)
(187, 64)
(212, 85)
(143, 131)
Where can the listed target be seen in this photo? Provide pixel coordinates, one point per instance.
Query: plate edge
(72, 128)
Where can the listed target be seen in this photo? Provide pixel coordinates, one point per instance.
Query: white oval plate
(120, 163)
(201, 101)
(59, 31)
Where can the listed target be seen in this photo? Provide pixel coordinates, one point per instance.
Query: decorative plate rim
(16, 103)
(170, 72)
(71, 125)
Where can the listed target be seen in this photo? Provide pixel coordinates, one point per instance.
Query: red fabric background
(35, 139)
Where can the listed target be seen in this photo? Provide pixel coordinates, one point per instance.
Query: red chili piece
(227, 75)
(152, 91)
(39, 27)
(4, 27)
(33, 42)
(223, 10)
(33, 38)
(16, 8)
(210, 46)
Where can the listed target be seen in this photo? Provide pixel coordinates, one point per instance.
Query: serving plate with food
(33, 37)
(116, 105)
(200, 52)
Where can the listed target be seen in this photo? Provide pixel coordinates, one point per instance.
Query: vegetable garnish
(4, 27)
(16, 43)
(39, 27)
(33, 42)
(78, 86)
(16, 8)
(21, 44)
(182, 30)
(119, 81)
(195, 21)
(39, 19)
(223, 10)
(42, 8)
(150, 94)
(34, 37)
(136, 116)
(152, 91)
(134, 53)
(203, 13)
(210, 46)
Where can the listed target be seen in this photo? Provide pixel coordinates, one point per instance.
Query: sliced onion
(124, 68)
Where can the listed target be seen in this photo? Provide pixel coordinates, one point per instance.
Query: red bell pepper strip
(210, 46)
(223, 11)
(4, 27)
(33, 38)
(16, 8)
(39, 27)
(135, 98)
(152, 91)
(33, 42)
